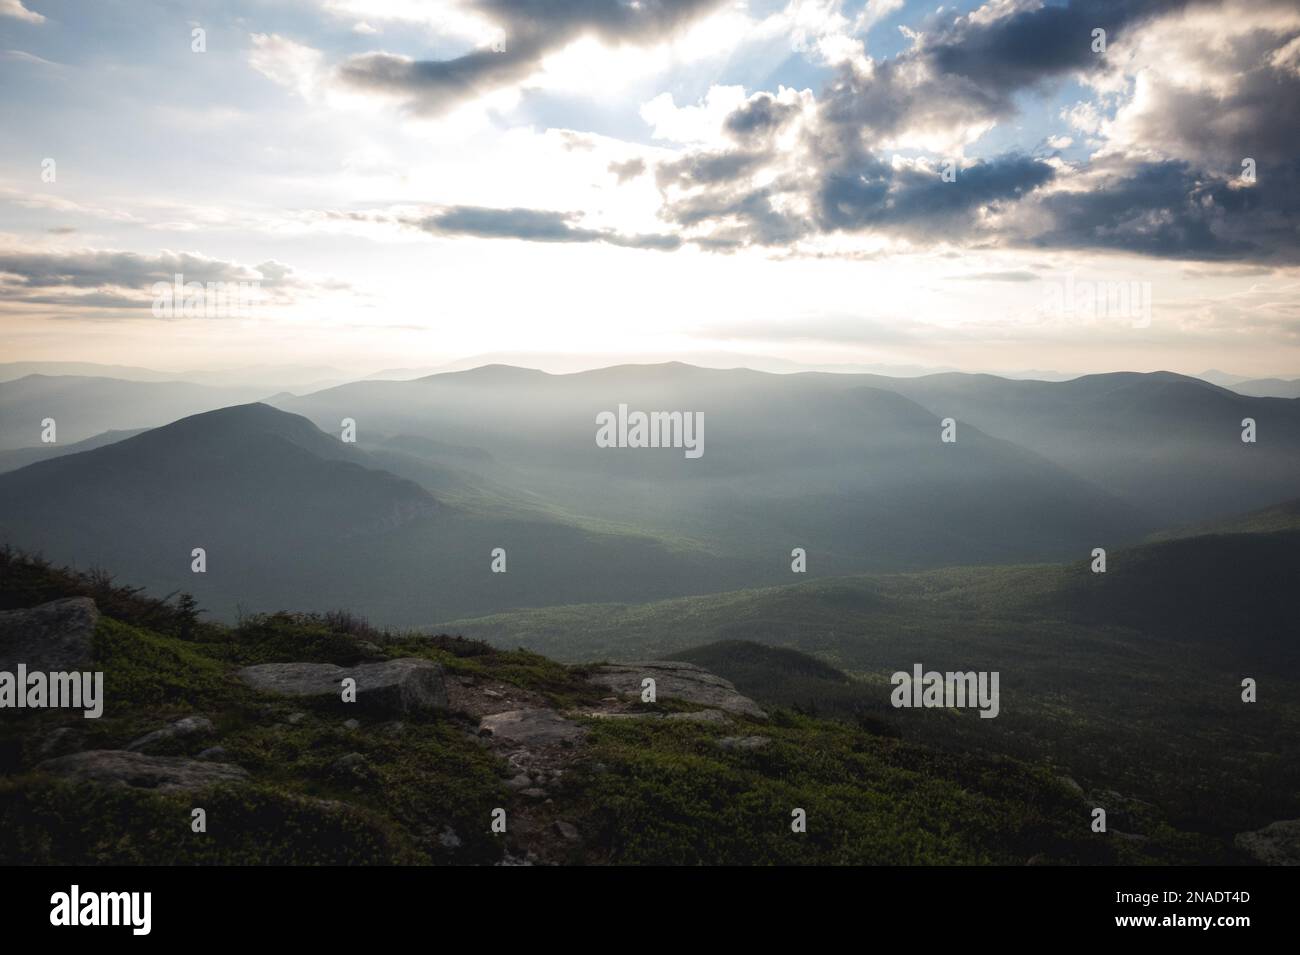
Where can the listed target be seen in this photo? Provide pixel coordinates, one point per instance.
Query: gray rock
(189, 726)
(449, 839)
(534, 793)
(520, 782)
(567, 830)
(295, 718)
(1278, 843)
(394, 686)
(352, 724)
(743, 742)
(122, 768)
(539, 727)
(673, 678)
(351, 763)
(52, 637)
(1070, 784)
(216, 753)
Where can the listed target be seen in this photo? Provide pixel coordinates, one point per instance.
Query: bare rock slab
(53, 637)
(1278, 843)
(407, 685)
(684, 681)
(189, 726)
(118, 767)
(533, 727)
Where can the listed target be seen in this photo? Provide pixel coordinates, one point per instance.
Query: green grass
(1128, 681)
(952, 791)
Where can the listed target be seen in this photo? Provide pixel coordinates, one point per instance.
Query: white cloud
(15, 9)
(699, 123)
(291, 64)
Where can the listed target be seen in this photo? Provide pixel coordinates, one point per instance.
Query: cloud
(105, 278)
(915, 199)
(291, 64)
(530, 31)
(1165, 179)
(533, 225)
(627, 170)
(15, 9)
(760, 116)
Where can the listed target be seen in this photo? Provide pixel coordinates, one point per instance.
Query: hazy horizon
(297, 376)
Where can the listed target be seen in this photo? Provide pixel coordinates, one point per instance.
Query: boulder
(52, 637)
(536, 727)
(394, 686)
(1278, 843)
(673, 678)
(567, 830)
(189, 726)
(353, 764)
(119, 767)
(743, 742)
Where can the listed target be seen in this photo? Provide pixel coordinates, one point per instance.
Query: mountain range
(402, 525)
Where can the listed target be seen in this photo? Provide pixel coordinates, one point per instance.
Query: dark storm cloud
(918, 200)
(1171, 209)
(533, 225)
(532, 29)
(1000, 57)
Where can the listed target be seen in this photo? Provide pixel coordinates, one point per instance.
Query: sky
(1079, 187)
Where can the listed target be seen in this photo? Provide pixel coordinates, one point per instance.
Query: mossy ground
(639, 791)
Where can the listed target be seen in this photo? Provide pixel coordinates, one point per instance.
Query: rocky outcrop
(52, 637)
(1278, 843)
(684, 681)
(407, 685)
(534, 727)
(189, 726)
(118, 767)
